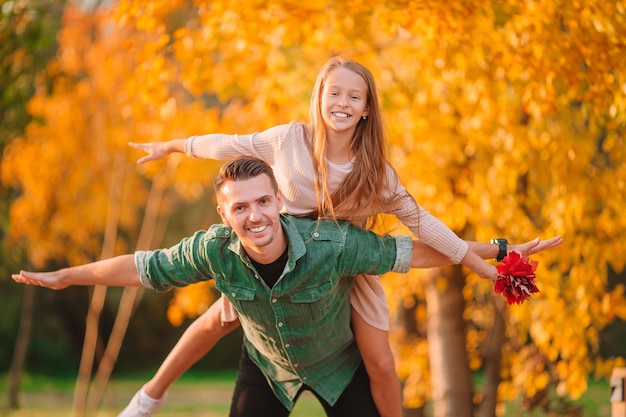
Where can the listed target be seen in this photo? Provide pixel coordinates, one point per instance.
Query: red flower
(516, 276)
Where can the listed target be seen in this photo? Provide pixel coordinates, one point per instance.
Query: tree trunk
(99, 292)
(131, 296)
(21, 347)
(405, 318)
(493, 360)
(451, 377)
(89, 349)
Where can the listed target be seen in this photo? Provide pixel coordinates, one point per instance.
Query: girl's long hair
(361, 191)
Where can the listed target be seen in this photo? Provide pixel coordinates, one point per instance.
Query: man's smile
(257, 229)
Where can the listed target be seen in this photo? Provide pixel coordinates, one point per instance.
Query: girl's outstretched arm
(425, 256)
(158, 150)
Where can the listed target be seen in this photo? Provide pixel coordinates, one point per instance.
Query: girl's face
(344, 100)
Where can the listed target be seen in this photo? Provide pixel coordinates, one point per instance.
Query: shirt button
(287, 345)
(234, 294)
(280, 324)
(295, 365)
(316, 234)
(227, 232)
(274, 300)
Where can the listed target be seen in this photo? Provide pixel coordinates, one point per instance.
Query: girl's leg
(380, 365)
(370, 321)
(195, 342)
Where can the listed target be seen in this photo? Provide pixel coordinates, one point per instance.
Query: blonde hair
(362, 187)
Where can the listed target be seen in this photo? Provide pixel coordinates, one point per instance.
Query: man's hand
(52, 280)
(119, 271)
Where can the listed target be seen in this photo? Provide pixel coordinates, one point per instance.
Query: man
(289, 279)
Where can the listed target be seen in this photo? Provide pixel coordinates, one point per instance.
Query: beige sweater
(284, 148)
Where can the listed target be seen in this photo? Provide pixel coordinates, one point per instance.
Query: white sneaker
(143, 405)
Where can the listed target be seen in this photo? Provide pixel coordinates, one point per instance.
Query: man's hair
(241, 169)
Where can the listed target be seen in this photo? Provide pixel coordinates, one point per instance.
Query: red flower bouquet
(516, 278)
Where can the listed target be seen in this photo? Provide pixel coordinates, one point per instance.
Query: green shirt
(298, 332)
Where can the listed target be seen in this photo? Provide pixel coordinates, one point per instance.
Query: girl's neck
(338, 149)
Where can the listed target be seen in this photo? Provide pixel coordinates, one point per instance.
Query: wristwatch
(502, 247)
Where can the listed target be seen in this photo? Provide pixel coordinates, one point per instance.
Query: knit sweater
(285, 149)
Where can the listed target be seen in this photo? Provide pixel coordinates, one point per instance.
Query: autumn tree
(27, 32)
(80, 195)
(505, 119)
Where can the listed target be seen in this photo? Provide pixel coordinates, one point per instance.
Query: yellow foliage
(190, 302)
(500, 123)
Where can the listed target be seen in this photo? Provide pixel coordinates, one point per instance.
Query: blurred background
(504, 119)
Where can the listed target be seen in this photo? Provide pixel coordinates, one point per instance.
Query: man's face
(252, 208)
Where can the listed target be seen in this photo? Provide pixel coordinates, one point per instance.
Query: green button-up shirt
(297, 332)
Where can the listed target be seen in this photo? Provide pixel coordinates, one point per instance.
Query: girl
(333, 167)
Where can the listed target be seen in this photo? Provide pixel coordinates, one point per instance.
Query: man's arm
(114, 272)
(426, 257)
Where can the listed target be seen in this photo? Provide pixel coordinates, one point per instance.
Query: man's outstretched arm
(114, 272)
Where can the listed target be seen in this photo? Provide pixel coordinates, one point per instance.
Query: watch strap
(502, 248)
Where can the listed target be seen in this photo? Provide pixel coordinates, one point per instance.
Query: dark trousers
(253, 396)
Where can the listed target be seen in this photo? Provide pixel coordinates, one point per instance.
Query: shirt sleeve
(422, 224)
(369, 253)
(181, 265)
(262, 145)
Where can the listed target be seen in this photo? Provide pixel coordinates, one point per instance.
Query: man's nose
(255, 214)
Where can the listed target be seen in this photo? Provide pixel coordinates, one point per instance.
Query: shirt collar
(295, 242)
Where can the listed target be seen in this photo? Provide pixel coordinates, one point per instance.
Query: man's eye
(265, 201)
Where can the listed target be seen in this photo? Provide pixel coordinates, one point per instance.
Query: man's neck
(269, 253)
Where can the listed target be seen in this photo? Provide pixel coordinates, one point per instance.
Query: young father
(289, 279)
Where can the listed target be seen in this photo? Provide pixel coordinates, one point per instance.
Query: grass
(199, 395)
(208, 395)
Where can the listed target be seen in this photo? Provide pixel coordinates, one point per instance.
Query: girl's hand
(535, 246)
(158, 150)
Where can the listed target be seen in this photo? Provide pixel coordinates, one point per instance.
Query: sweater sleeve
(422, 224)
(221, 146)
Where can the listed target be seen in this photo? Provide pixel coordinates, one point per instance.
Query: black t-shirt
(271, 272)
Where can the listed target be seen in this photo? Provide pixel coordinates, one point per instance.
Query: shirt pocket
(241, 298)
(315, 300)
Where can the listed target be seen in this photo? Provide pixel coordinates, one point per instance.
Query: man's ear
(222, 214)
(279, 199)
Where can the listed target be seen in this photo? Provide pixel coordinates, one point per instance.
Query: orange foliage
(505, 119)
